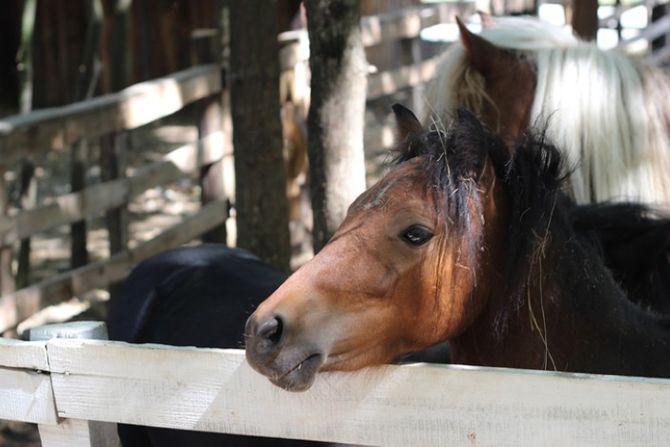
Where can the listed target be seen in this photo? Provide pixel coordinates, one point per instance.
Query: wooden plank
(654, 30)
(26, 396)
(387, 82)
(135, 106)
(89, 202)
(408, 23)
(215, 390)
(79, 433)
(100, 274)
(23, 354)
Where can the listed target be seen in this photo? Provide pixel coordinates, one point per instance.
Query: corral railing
(58, 129)
(64, 385)
(404, 62)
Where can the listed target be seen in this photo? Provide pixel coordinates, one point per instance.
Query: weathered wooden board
(387, 82)
(26, 396)
(100, 274)
(215, 390)
(408, 23)
(79, 433)
(89, 202)
(135, 106)
(22, 354)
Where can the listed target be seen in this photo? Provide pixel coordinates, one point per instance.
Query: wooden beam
(26, 396)
(428, 405)
(135, 106)
(22, 354)
(100, 274)
(408, 23)
(68, 208)
(387, 82)
(653, 31)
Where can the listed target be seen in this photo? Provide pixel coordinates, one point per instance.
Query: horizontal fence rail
(215, 390)
(60, 127)
(23, 303)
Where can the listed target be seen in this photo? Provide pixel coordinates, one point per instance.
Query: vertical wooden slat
(27, 192)
(76, 432)
(112, 167)
(78, 249)
(206, 49)
(658, 12)
(7, 283)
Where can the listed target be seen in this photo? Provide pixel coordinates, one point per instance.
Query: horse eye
(416, 235)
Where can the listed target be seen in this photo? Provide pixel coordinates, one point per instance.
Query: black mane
(531, 175)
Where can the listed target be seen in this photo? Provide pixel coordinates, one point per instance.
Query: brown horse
(462, 242)
(608, 113)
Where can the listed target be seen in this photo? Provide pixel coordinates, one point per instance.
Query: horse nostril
(271, 330)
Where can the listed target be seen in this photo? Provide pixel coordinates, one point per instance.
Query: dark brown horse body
(465, 243)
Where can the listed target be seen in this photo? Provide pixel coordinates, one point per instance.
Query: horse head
(409, 266)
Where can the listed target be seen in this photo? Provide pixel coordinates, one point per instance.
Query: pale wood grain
(22, 354)
(79, 433)
(408, 23)
(100, 274)
(26, 396)
(91, 201)
(135, 106)
(387, 82)
(215, 390)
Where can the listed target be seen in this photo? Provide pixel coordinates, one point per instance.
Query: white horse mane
(609, 114)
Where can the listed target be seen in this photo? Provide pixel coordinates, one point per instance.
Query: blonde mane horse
(608, 112)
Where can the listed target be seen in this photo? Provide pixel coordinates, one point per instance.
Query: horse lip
(301, 376)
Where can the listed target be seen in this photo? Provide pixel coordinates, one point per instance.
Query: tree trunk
(336, 113)
(260, 174)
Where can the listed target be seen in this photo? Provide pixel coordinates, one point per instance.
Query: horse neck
(572, 317)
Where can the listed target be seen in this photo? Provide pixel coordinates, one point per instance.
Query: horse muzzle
(291, 366)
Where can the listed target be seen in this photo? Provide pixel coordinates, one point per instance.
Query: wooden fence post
(78, 250)
(112, 167)
(26, 195)
(76, 432)
(205, 47)
(7, 281)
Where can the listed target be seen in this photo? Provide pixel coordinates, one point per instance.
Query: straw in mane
(608, 112)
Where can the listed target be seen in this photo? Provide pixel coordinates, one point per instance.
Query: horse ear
(487, 19)
(472, 143)
(407, 123)
(481, 54)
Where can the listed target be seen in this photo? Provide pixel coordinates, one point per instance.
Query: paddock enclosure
(63, 385)
(91, 166)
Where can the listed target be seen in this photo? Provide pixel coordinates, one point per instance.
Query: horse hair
(612, 121)
(533, 179)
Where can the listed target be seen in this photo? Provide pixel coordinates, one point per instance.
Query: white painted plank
(26, 396)
(23, 354)
(79, 433)
(215, 390)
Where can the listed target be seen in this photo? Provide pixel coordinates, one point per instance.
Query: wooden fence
(65, 385)
(388, 38)
(60, 128)
(108, 118)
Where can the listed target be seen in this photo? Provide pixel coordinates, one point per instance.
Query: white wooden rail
(73, 381)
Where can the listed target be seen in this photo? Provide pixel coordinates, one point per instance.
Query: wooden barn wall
(157, 43)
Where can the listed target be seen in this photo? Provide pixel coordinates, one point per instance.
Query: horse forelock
(608, 113)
